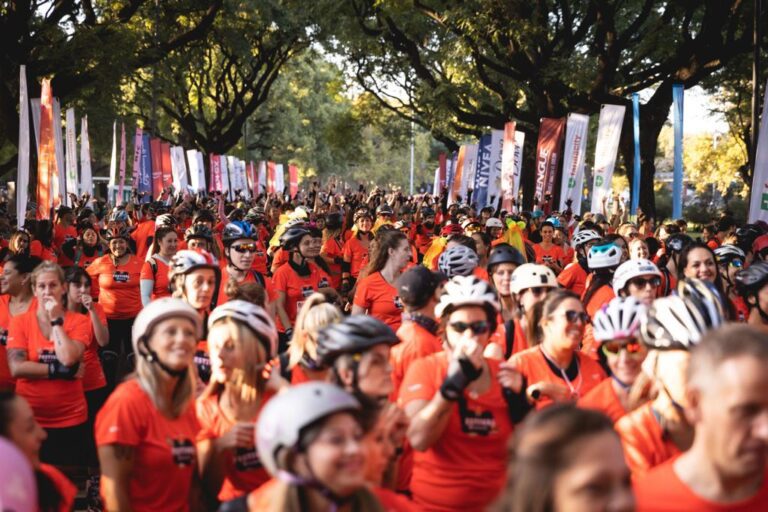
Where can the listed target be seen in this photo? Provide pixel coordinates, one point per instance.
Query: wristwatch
(57, 321)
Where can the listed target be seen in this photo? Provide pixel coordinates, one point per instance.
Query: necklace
(574, 389)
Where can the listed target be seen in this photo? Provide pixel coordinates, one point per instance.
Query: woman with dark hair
(55, 493)
(376, 293)
(332, 250)
(566, 459)
(42, 240)
(603, 259)
(84, 249)
(698, 260)
(154, 273)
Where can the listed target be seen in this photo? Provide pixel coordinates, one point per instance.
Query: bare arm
(357, 310)
(68, 351)
(22, 367)
(280, 310)
(116, 468)
(428, 421)
(100, 330)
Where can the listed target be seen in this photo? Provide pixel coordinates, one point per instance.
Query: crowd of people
(354, 351)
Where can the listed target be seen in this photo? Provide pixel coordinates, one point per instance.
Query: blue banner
(677, 178)
(145, 174)
(636, 175)
(482, 172)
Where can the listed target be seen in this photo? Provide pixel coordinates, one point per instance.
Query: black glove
(456, 382)
(56, 370)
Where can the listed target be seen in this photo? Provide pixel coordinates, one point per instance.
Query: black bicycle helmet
(199, 231)
(203, 216)
(291, 238)
(427, 211)
(504, 253)
(752, 279)
(334, 220)
(353, 335)
(746, 236)
(114, 233)
(677, 242)
(384, 209)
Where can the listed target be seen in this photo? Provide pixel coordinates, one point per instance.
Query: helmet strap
(151, 356)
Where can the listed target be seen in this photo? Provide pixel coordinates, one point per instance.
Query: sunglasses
(575, 316)
(612, 348)
(642, 282)
(479, 327)
(244, 248)
(736, 263)
(538, 290)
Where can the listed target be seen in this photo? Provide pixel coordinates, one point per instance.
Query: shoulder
(391, 501)
(660, 488)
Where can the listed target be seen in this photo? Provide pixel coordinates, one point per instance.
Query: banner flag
(494, 178)
(156, 152)
(451, 172)
(508, 166)
(194, 172)
(58, 144)
(86, 176)
(457, 173)
(253, 185)
(71, 155)
(214, 184)
(137, 142)
(548, 159)
(22, 178)
(261, 177)
(46, 162)
(758, 204)
(442, 163)
(270, 177)
(165, 164)
(232, 175)
(678, 92)
(145, 176)
(242, 170)
(179, 169)
(436, 183)
(279, 178)
(200, 171)
(574, 155)
(468, 174)
(606, 147)
(226, 186)
(123, 151)
(482, 172)
(293, 179)
(34, 104)
(636, 168)
(113, 167)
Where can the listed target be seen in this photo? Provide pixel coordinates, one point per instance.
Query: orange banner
(457, 173)
(270, 177)
(47, 170)
(165, 163)
(293, 179)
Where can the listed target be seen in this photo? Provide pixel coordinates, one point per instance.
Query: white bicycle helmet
(458, 261)
(727, 252)
(631, 269)
(604, 256)
(165, 220)
(187, 260)
(466, 291)
(584, 236)
(493, 222)
(618, 319)
(532, 275)
(252, 316)
(288, 414)
(675, 323)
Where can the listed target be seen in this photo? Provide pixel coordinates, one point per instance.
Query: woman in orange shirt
(45, 351)
(242, 339)
(147, 429)
(356, 249)
(154, 272)
(502, 263)
(376, 294)
(83, 250)
(18, 243)
(333, 246)
(16, 298)
(460, 422)
(547, 252)
(603, 259)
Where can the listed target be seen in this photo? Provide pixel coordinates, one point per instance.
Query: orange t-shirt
(741, 308)
(250, 277)
(481, 273)
(165, 457)
(554, 253)
(279, 259)
(7, 382)
(661, 490)
(532, 364)
(117, 287)
(574, 278)
(56, 403)
(161, 287)
(356, 255)
(93, 378)
(603, 398)
(333, 248)
(297, 288)
(499, 337)
(260, 259)
(62, 234)
(380, 299)
(243, 471)
(143, 236)
(466, 467)
(415, 342)
(643, 440)
(67, 490)
(44, 253)
(600, 298)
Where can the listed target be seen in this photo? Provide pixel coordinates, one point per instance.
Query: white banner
(22, 175)
(576, 130)
(436, 184)
(86, 179)
(226, 187)
(262, 173)
(179, 169)
(758, 204)
(608, 134)
(34, 104)
(244, 186)
(468, 172)
(71, 155)
(234, 175)
(112, 186)
(494, 178)
(194, 172)
(279, 178)
(58, 144)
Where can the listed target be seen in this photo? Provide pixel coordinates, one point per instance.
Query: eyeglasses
(538, 290)
(642, 282)
(575, 316)
(244, 248)
(736, 263)
(612, 348)
(479, 327)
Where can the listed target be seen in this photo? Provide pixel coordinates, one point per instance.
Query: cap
(416, 285)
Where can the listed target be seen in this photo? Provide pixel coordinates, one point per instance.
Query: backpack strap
(285, 372)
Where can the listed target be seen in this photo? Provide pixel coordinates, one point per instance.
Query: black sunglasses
(574, 316)
(479, 327)
(642, 282)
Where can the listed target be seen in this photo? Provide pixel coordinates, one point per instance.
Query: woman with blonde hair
(242, 338)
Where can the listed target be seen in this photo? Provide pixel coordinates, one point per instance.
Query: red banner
(271, 177)
(47, 171)
(547, 159)
(508, 166)
(166, 164)
(442, 163)
(156, 153)
(214, 183)
(293, 179)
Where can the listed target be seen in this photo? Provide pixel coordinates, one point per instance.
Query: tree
(459, 68)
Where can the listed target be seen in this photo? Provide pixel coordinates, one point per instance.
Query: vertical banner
(242, 171)
(293, 179)
(482, 172)
(451, 172)
(606, 147)
(137, 142)
(574, 155)
(436, 182)
(46, 161)
(123, 151)
(200, 171)
(468, 172)
(60, 182)
(758, 203)
(165, 164)
(508, 166)
(215, 181)
(156, 152)
(457, 173)
(441, 159)
(253, 184)
(270, 177)
(279, 178)
(22, 179)
(677, 177)
(179, 170)
(226, 185)
(636, 167)
(494, 178)
(71, 155)
(34, 104)
(86, 177)
(145, 175)
(547, 159)
(261, 177)
(232, 178)
(194, 172)
(111, 187)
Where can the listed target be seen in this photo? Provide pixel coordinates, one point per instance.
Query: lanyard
(574, 389)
